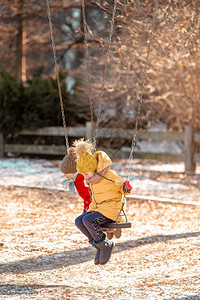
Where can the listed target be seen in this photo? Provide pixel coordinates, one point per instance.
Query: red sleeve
(83, 190)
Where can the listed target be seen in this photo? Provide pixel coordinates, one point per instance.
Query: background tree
(18, 16)
(171, 90)
(22, 55)
(172, 84)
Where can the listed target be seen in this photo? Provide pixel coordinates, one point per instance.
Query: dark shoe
(118, 233)
(106, 248)
(96, 259)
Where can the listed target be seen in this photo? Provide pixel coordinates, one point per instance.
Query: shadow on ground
(74, 257)
(12, 289)
(190, 297)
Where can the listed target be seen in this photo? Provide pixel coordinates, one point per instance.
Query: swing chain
(57, 72)
(95, 133)
(105, 73)
(88, 66)
(133, 143)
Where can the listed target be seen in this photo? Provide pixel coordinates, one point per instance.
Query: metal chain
(104, 72)
(88, 66)
(57, 72)
(133, 143)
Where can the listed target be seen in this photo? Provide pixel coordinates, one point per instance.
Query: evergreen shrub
(33, 104)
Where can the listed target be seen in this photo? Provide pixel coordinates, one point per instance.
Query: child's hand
(127, 187)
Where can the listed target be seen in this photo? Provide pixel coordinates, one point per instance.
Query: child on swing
(107, 188)
(68, 168)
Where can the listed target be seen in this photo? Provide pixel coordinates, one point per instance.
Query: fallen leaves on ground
(44, 256)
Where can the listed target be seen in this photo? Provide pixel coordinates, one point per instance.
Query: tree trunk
(21, 43)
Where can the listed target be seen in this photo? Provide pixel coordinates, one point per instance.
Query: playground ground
(43, 255)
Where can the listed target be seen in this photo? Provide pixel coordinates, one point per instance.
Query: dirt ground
(43, 255)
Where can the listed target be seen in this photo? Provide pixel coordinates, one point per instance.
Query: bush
(33, 104)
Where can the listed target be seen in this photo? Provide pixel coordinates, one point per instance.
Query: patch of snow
(157, 146)
(30, 173)
(157, 127)
(162, 147)
(41, 173)
(157, 167)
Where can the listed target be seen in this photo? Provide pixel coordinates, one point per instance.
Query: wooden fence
(188, 155)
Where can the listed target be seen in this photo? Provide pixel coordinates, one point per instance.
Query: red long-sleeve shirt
(83, 190)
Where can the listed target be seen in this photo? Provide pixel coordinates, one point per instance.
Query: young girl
(107, 188)
(68, 167)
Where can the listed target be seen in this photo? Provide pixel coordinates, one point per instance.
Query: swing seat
(116, 225)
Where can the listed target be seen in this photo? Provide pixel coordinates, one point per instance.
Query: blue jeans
(89, 224)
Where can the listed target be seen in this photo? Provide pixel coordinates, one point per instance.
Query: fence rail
(188, 155)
